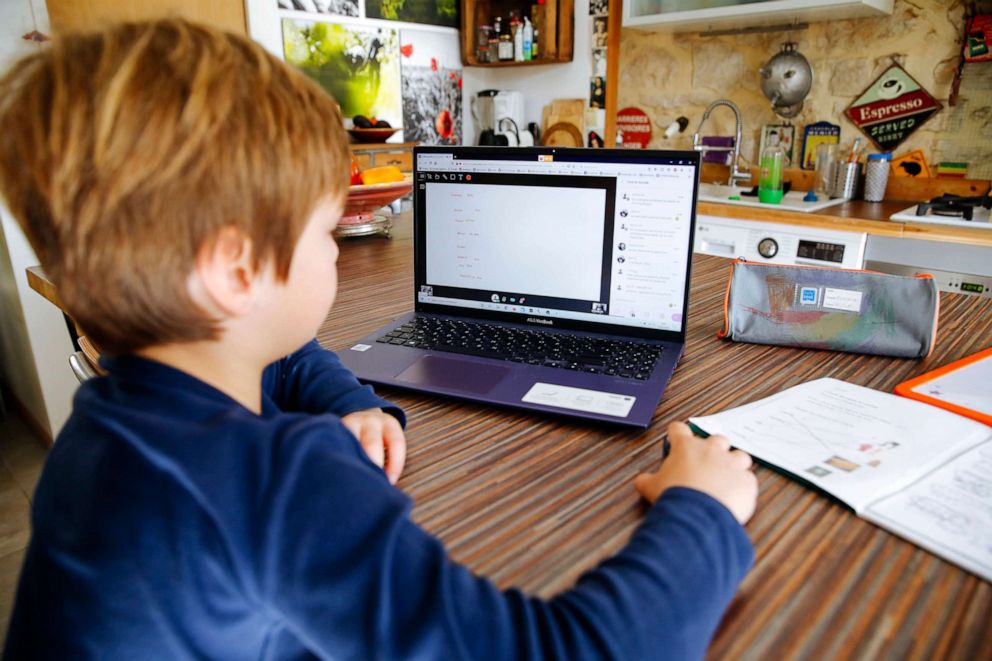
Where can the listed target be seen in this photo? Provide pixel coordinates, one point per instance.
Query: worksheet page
(856, 443)
(948, 512)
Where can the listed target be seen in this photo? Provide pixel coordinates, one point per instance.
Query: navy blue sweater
(171, 522)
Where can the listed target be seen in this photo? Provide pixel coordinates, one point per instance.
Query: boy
(211, 498)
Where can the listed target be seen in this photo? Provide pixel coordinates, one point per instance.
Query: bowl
(373, 134)
(366, 198)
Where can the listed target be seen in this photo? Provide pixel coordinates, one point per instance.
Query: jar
(505, 47)
(876, 177)
(770, 175)
(482, 44)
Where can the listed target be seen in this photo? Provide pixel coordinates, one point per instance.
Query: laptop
(549, 279)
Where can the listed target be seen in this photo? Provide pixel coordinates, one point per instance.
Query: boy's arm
(355, 576)
(313, 380)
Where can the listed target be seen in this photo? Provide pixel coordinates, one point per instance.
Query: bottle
(876, 177)
(505, 48)
(518, 43)
(770, 176)
(528, 39)
(534, 50)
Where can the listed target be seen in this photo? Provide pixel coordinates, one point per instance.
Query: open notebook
(917, 470)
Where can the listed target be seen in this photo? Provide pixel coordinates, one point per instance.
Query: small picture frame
(782, 135)
(599, 61)
(600, 31)
(817, 134)
(597, 92)
(598, 7)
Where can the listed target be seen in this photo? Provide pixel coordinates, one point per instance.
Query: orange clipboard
(917, 387)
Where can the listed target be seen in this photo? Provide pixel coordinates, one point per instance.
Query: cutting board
(563, 111)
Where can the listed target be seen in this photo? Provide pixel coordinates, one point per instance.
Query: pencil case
(836, 309)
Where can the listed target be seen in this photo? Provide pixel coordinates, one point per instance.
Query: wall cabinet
(555, 20)
(701, 15)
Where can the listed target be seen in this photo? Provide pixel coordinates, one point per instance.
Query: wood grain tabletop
(533, 500)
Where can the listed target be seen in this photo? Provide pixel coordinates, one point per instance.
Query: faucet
(697, 143)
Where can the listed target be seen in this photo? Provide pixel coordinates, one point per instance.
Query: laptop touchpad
(453, 374)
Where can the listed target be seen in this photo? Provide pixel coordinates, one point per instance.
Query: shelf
(556, 26)
(526, 63)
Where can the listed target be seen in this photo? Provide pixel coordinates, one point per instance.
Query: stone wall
(668, 75)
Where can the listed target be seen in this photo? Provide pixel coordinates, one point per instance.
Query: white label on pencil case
(580, 399)
(842, 299)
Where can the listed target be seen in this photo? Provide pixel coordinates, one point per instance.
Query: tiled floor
(21, 458)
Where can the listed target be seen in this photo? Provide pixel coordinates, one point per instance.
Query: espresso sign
(892, 108)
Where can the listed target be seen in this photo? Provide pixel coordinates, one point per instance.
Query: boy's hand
(382, 438)
(707, 465)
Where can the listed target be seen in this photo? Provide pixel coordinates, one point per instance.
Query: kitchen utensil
(846, 180)
(786, 80)
(484, 113)
(562, 134)
(876, 177)
(569, 111)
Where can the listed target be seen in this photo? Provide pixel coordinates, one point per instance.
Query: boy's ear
(223, 278)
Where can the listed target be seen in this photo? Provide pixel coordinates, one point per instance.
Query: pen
(695, 429)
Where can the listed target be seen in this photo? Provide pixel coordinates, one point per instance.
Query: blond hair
(124, 152)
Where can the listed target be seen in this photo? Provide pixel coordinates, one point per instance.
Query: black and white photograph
(597, 7)
(599, 31)
(599, 62)
(340, 7)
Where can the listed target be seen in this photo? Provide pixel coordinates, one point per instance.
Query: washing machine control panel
(775, 243)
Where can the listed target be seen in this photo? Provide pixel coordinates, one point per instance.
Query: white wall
(34, 341)
(540, 84)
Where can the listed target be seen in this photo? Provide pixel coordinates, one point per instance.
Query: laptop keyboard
(622, 358)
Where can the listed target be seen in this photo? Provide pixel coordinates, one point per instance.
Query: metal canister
(876, 177)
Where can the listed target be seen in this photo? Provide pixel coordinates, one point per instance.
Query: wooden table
(533, 500)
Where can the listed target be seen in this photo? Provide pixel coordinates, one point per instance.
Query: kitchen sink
(792, 201)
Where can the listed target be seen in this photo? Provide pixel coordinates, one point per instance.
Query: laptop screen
(575, 238)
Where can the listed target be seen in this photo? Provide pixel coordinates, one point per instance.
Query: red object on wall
(634, 128)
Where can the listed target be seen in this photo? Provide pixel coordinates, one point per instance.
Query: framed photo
(600, 31)
(597, 92)
(782, 135)
(599, 7)
(599, 62)
(817, 134)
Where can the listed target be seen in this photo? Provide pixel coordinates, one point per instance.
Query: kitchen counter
(855, 216)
